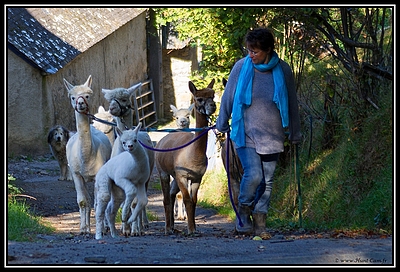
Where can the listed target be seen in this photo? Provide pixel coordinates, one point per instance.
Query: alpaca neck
(201, 121)
(138, 154)
(127, 119)
(83, 129)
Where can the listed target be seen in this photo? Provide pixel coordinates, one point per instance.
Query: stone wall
(177, 65)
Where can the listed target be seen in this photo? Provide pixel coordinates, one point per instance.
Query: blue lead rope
(205, 130)
(229, 180)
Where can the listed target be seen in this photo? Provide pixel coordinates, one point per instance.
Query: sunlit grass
(21, 225)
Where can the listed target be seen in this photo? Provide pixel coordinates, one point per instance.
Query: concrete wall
(35, 103)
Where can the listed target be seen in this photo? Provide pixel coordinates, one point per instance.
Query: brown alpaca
(186, 165)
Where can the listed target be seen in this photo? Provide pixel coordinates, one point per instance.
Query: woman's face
(257, 55)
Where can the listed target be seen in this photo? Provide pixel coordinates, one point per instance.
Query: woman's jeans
(257, 179)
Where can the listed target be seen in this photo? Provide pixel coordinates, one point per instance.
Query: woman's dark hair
(261, 38)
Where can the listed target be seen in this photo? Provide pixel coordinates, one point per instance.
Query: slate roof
(49, 38)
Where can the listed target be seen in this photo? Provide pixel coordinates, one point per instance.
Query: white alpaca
(121, 108)
(182, 120)
(87, 150)
(128, 171)
(182, 115)
(118, 148)
(103, 127)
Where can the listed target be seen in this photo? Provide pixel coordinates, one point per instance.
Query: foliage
(12, 190)
(218, 31)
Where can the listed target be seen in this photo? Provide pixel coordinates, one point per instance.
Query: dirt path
(216, 244)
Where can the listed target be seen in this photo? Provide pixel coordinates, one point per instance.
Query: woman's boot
(259, 223)
(244, 213)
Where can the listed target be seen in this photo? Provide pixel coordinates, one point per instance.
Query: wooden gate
(145, 108)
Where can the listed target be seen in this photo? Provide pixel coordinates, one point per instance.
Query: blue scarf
(244, 87)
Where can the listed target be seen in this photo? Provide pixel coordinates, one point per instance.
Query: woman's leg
(252, 175)
(251, 179)
(264, 190)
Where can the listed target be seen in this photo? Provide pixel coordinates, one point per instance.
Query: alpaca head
(103, 115)
(182, 116)
(120, 99)
(80, 95)
(204, 98)
(129, 138)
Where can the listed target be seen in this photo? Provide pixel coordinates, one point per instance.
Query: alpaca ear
(192, 88)
(138, 126)
(119, 132)
(68, 85)
(134, 87)
(88, 82)
(224, 81)
(211, 85)
(173, 108)
(191, 107)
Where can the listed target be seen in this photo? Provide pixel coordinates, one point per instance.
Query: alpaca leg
(102, 197)
(140, 224)
(165, 186)
(190, 200)
(117, 197)
(173, 191)
(69, 174)
(88, 209)
(180, 207)
(83, 200)
(112, 207)
(145, 220)
(136, 225)
(178, 203)
(130, 193)
(142, 200)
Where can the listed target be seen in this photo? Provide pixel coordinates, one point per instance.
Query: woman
(260, 97)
